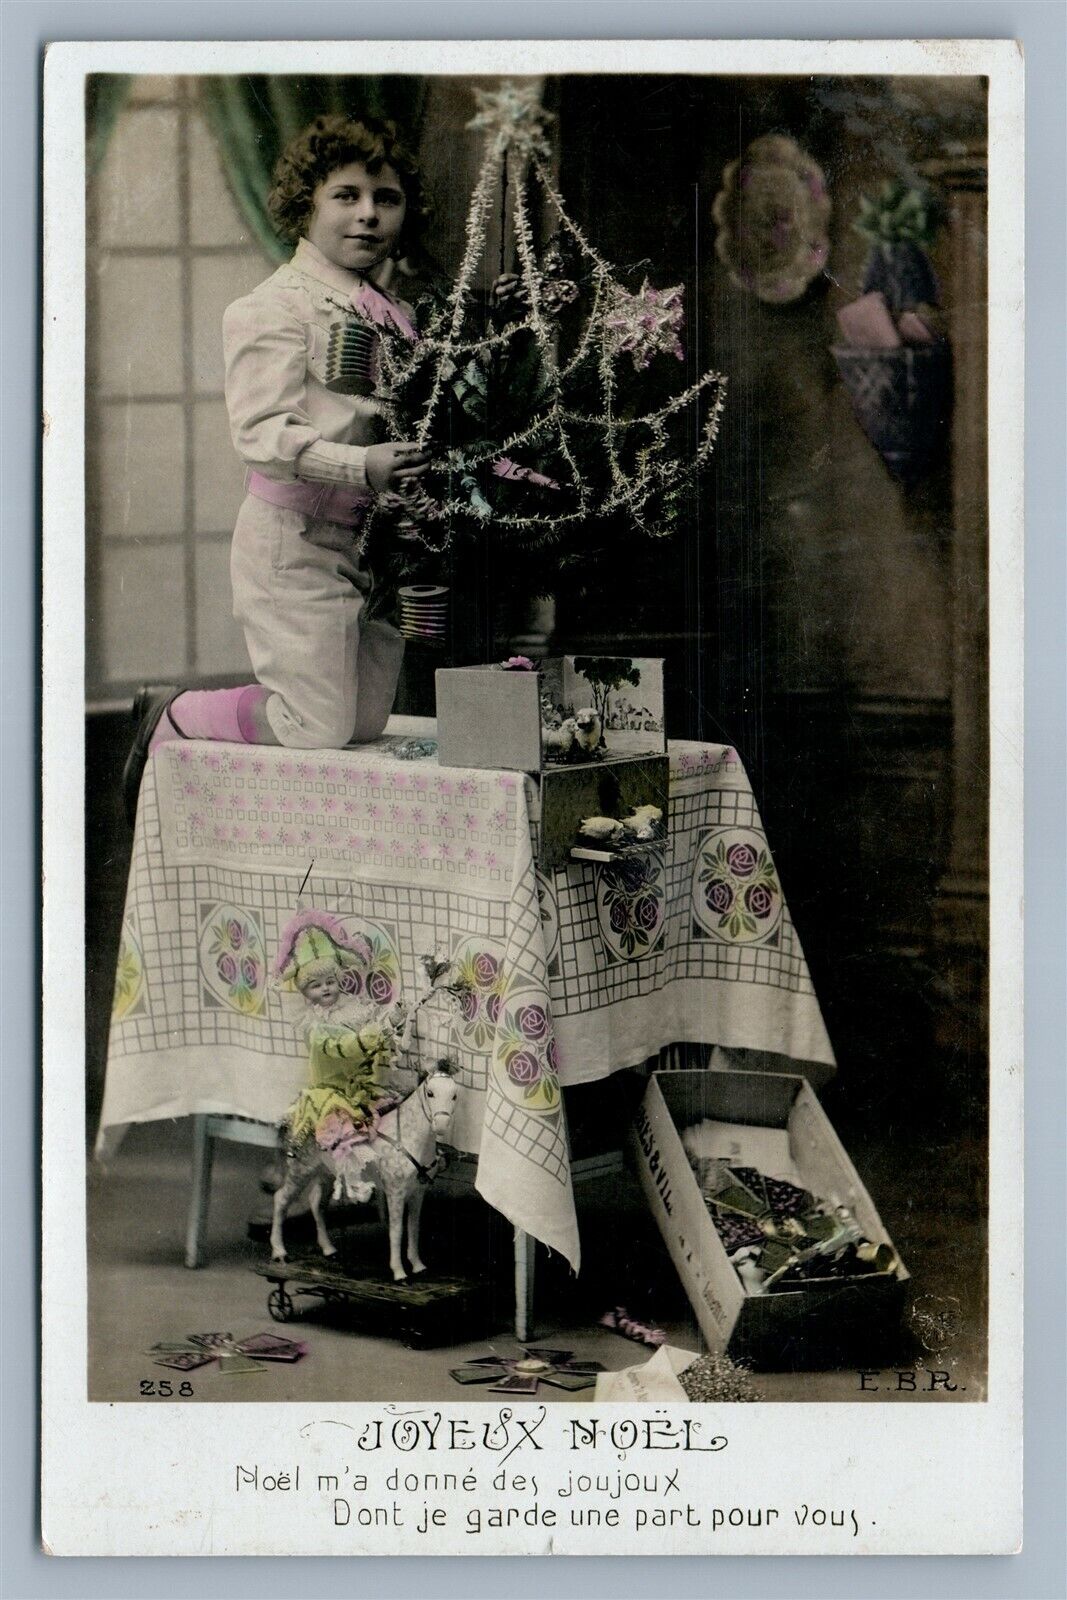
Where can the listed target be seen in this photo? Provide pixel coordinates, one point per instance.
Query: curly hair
(335, 141)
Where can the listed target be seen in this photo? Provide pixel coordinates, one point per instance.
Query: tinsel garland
(643, 478)
(715, 1379)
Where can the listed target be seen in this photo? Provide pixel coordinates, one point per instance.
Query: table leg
(203, 1155)
(525, 1256)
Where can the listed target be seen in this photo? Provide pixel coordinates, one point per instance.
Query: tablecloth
(572, 975)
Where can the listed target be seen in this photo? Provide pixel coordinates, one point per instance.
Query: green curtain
(254, 117)
(105, 95)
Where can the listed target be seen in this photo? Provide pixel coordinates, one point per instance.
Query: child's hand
(391, 467)
(508, 295)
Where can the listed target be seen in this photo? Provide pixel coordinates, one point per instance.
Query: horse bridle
(425, 1174)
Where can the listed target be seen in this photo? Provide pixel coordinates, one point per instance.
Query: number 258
(162, 1388)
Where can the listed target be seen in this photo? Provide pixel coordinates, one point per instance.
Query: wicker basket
(903, 402)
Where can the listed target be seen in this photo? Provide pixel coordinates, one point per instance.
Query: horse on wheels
(401, 1153)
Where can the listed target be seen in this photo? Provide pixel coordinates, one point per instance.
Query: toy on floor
(522, 1374)
(234, 1356)
(422, 1312)
(346, 1128)
(620, 1321)
(402, 1149)
(778, 1235)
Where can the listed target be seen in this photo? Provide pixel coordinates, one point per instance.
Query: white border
(130, 1479)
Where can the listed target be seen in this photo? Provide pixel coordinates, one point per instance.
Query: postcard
(608, 1141)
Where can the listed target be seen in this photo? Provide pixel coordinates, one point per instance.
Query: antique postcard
(532, 680)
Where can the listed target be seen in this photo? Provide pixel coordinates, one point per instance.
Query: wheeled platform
(421, 1311)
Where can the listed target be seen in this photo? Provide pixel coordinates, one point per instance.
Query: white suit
(298, 590)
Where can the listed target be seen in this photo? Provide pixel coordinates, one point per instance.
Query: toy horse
(400, 1152)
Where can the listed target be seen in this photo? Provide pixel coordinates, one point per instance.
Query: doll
(352, 1045)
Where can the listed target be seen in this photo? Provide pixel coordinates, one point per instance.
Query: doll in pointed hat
(351, 1043)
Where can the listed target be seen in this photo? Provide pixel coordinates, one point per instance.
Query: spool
(424, 612)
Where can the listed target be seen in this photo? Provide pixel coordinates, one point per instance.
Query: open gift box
(772, 1122)
(488, 716)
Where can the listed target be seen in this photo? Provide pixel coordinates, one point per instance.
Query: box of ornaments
(589, 728)
(781, 1252)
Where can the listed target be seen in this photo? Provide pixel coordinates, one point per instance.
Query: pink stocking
(223, 714)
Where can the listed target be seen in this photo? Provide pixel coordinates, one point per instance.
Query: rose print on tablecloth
(478, 965)
(233, 964)
(631, 905)
(129, 995)
(377, 979)
(737, 898)
(525, 1060)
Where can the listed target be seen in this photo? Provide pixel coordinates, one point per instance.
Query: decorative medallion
(379, 980)
(233, 963)
(737, 898)
(631, 904)
(479, 964)
(772, 213)
(129, 995)
(526, 1060)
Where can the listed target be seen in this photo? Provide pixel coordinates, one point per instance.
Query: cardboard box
(837, 1323)
(609, 788)
(627, 690)
(488, 717)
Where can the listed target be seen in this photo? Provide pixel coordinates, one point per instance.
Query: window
(168, 250)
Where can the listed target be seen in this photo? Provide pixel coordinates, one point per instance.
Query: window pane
(216, 281)
(138, 343)
(153, 86)
(218, 474)
(142, 598)
(220, 643)
(140, 473)
(215, 218)
(137, 187)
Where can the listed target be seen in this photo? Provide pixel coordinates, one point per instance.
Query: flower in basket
(899, 224)
(902, 397)
(519, 664)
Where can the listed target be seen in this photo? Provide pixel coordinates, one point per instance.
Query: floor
(930, 1198)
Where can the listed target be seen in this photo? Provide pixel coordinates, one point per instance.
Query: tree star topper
(513, 117)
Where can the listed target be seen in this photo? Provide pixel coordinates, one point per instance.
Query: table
(574, 976)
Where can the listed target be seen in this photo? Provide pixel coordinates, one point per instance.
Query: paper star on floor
(522, 1374)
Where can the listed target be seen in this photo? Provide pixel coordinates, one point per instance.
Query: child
(351, 1044)
(347, 193)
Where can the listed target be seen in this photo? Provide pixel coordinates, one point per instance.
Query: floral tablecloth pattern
(571, 975)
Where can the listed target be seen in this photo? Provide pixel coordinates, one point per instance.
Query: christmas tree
(533, 408)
